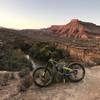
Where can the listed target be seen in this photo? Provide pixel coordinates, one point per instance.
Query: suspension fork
(46, 68)
(44, 73)
(52, 69)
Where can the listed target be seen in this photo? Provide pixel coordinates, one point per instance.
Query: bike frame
(55, 68)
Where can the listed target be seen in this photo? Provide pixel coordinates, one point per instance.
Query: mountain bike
(43, 76)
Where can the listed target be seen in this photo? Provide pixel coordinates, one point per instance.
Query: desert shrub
(25, 80)
(43, 51)
(24, 72)
(4, 77)
(3, 82)
(12, 76)
(14, 60)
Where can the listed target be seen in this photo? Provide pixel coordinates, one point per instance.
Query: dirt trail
(88, 89)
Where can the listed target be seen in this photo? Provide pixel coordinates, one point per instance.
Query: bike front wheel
(42, 77)
(78, 72)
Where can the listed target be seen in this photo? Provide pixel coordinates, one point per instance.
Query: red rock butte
(77, 29)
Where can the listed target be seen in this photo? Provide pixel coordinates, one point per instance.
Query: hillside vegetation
(14, 59)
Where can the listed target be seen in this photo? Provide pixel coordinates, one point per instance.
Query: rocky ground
(88, 89)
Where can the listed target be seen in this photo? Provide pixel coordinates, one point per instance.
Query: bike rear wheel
(42, 77)
(78, 72)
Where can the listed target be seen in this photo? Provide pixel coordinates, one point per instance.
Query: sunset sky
(33, 14)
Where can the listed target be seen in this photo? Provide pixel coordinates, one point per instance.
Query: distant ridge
(74, 29)
(77, 29)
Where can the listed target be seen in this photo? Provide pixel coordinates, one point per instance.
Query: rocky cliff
(77, 29)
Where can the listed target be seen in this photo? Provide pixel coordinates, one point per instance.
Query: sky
(35, 14)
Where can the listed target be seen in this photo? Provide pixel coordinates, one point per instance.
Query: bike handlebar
(52, 61)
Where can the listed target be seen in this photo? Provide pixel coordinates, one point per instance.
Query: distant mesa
(77, 29)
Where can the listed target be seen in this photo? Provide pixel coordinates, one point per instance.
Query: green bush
(43, 51)
(14, 60)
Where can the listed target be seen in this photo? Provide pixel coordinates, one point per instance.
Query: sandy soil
(88, 89)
